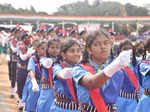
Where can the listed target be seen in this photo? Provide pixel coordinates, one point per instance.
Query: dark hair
(147, 44)
(128, 42)
(90, 39)
(114, 51)
(123, 43)
(24, 35)
(38, 46)
(141, 42)
(50, 43)
(147, 47)
(65, 46)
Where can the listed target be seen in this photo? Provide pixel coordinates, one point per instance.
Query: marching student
(144, 69)
(21, 72)
(130, 90)
(46, 94)
(13, 46)
(65, 97)
(96, 81)
(31, 52)
(34, 73)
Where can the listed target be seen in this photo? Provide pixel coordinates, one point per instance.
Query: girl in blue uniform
(65, 98)
(97, 82)
(140, 50)
(144, 69)
(35, 77)
(129, 93)
(32, 52)
(46, 94)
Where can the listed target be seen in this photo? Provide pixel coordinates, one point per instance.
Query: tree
(100, 9)
(136, 11)
(9, 9)
(32, 9)
(96, 3)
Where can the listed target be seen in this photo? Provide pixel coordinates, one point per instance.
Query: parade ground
(6, 104)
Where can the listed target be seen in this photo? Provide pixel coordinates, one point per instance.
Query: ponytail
(85, 57)
(134, 56)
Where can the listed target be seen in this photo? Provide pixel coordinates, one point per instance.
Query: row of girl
(64, 77)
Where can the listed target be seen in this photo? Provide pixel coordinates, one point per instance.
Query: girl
(65, 98)
(144, 69)
(46, 94)
(129, 93)
(140, 49)
(94, 92)
(34, 72)
(31, 52)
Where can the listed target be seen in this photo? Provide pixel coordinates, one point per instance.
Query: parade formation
(77, 70)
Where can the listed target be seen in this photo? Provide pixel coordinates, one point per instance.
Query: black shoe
(20, 108)
(18, 102)
(12, 96)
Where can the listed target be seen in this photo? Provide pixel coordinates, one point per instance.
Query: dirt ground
(6, 104)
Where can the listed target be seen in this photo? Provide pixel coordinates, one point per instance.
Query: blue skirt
(32, 98)
(45, 100)
(25, 90)
(126, 105)
(144, 104)
(55, 108)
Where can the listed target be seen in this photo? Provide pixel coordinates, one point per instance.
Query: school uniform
(143, 105)
(63, 101)
(32, 96)
(9, 63)
(21, 72)
(129, 94)
(46, 94)
(13, 45)
(25, 88)
(109, 92)
(25, 91)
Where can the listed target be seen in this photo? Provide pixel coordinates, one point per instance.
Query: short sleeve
(56, 69)
(78, 72)
(31, 64)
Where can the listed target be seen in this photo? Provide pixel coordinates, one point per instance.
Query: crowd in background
(77, 71)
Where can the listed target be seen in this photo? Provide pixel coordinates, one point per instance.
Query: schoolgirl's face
(18, 35)
(100, 48)
(35, 44)
(140, 46)
(72, 55)
(54, 49)
(42, 50)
